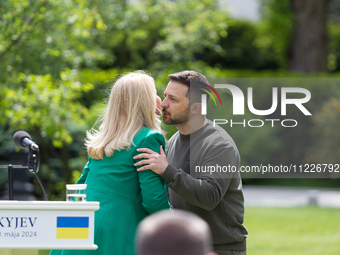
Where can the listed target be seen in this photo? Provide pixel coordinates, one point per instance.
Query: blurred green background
(58, 60)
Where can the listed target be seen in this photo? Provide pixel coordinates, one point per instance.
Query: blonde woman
(126, 196)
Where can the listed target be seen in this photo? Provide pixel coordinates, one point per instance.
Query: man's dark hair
(173, 233)
(195, 83)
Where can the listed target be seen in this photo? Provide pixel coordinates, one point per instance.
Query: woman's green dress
(126, 196)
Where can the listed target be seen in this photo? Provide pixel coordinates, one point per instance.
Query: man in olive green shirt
(193, 162)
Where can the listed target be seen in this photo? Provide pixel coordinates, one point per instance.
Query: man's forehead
(175, 88)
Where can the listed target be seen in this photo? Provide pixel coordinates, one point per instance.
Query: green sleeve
(86, 169)
(153, 187)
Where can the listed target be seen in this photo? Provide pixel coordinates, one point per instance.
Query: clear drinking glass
(76, 192)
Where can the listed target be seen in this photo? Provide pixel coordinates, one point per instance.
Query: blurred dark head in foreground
(173, 233)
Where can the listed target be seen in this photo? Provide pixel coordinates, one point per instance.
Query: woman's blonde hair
(131, 105)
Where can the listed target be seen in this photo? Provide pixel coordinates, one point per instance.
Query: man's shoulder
(214, 131)
(214, 135)
(174, 137)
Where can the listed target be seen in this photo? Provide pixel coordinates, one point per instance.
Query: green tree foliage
(45, 36)
(40, 41)
(42, 44)
(326, 143)
(39, 102)
(242, 46)
(156, 34)
(276, 28)
(334, 46)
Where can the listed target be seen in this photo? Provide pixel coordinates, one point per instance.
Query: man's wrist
(163, 170)
(169, 173)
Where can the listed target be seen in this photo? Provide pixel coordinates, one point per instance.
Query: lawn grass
(288, 231)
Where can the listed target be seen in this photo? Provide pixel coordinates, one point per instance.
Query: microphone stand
(32, 159)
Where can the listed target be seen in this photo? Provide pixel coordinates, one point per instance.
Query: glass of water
(76, 192)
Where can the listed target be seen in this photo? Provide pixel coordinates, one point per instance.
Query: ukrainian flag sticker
(72, 227)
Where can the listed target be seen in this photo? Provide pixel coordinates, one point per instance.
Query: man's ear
(196, 108)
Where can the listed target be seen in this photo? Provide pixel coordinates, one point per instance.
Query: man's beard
(182, 118)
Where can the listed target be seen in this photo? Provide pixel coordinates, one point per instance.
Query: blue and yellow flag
(72, 227)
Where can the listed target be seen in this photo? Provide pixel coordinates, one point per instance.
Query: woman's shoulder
(148, 133)
(145, 131)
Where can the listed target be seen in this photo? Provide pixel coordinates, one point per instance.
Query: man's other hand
(152, 160)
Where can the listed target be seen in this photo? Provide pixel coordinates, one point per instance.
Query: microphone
(22, 139)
